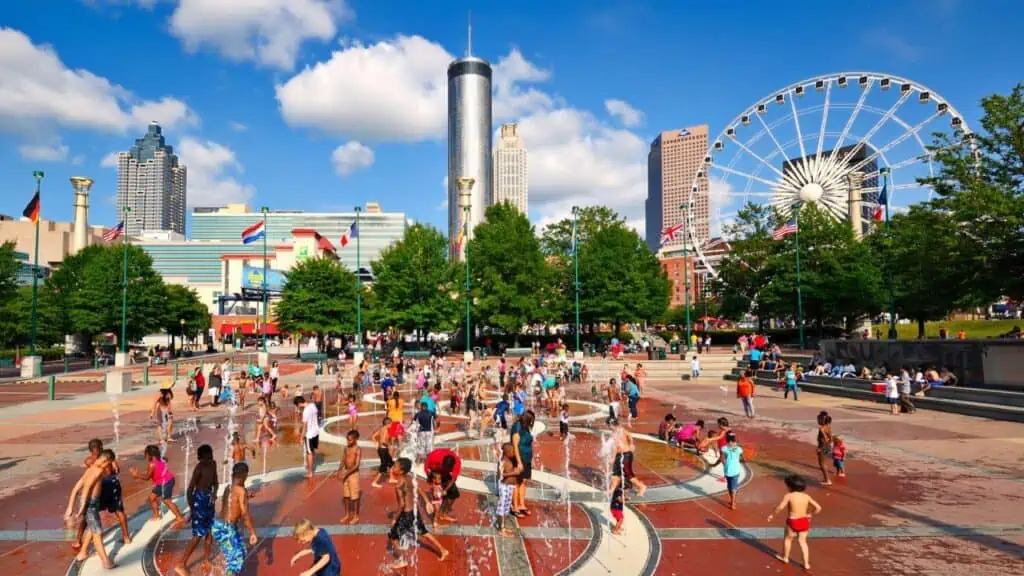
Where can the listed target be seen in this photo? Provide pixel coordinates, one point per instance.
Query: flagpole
(799, 292)
(686, 274)
(886, 179)
(124, 283)
(576, 265)
(359, 287)
(38, 175)
(264, 210)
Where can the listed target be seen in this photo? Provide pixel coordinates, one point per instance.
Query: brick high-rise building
(672, 163)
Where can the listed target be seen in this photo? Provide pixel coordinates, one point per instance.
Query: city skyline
(511, 169)
(351, 105)
(152, 185)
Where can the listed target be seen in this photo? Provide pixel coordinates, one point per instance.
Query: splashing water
(568, 501)
(117, 419)
(227, 439)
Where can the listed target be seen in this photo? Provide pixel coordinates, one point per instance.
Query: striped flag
(669, 234)
(785, 230)
(572, 241)
(883, 201)
(114, 233)
(253, 233)
(32, 210)
(353, 232)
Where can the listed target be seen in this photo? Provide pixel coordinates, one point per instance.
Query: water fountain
(117, 419)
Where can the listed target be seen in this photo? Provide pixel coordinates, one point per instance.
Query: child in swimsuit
(436, 495)
(798, 522)
(163, 484)
(353, 411)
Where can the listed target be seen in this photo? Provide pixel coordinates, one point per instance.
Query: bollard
(95, 362)
(145, 375)
(52, 392)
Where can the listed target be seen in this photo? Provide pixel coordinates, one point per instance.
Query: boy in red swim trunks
(798, 523)
(616, 506)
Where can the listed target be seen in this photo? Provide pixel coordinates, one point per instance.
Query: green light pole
(359, 287)
(38, 175)
(576, 265)
(265, 211)
(686, 273)
(124, 283)
(886, 174)
(465, 185)
(799, 292)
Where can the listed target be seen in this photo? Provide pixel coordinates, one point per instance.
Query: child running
(234, 509)
(202, 496)
(325, 558)
(408, 523)
(731, 456)
(89, 490)
(798, 521)
(839, 456)
(622, 468)
(385, 444)
(617, 505)
(348, 473)
(163, 484)
(110, 496)
(563, 422)
(508, 474)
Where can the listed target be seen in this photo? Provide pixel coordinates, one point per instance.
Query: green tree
(982, 188)
(8, 272)
(511, 281)
(319, 299)
(16, 319)
(746, 269)
(183, 303)
(556, 240)
(413, 284)
(921, 263)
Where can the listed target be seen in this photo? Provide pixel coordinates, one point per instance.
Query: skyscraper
(510, 169)
(672, 163)
(469, 140)
(151, 182)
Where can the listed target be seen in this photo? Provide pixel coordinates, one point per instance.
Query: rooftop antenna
(469, 36)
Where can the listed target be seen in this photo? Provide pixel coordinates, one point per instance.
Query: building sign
(252, 279)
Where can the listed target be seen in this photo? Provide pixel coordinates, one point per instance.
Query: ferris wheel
(834, 140)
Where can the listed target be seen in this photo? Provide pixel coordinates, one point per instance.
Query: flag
(785, 230)
(883, 201)
(458, 241)
(353, 232)
(32, 210)
(253, 233)
(669, 234)
(114, 233)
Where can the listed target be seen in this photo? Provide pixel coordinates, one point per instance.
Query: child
(510, 470)
(110, 495)
(616, 506)
(666, 426)
(407, 524)
(563, 422)
(732, 455)
(353, 411)
(839, 455)
(325, 558)
(695, 367)
(310, 432)
(239, 448)
(348, 473)
(384, 447)
(201, 496)
(163, 484)
(234, 510)
(165, 417)
(436, 495)
(798, 522)
(89, 489)
(426, 420)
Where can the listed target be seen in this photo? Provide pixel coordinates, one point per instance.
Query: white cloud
(37, 90)
(268, 32)
(444, 203)
(237, 126)
(620, 109)
(211, 173)
(350, 157)
(78, 160)
(43, 152)
(109, 161)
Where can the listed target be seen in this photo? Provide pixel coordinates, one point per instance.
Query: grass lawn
(973, 328)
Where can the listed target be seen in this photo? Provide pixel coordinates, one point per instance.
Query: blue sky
(324, 104)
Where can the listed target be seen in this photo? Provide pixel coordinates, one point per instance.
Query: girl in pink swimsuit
(163, 484)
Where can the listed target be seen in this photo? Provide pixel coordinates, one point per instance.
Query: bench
(518, 352)
(416, 354)
(313, 357)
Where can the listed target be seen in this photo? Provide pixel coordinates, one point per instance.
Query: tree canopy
(318, 298)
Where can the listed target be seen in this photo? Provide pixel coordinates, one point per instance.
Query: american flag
(669, 234)
(785, 230)
(114, 233)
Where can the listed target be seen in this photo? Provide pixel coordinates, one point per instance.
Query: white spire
(469, 36)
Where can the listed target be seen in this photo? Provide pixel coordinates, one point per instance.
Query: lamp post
(181, 322)
(465, 185)
(265, 211)
(576, 266)
(124, 283)
(886, 174)
(686, 273)
(38, 175)
(799, 292)
(359, 287)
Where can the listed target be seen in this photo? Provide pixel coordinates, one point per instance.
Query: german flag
(32, 210)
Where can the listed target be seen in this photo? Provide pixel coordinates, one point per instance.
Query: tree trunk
(618, 326)
(920, 329)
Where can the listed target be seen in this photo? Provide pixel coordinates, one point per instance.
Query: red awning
(325, 244)
(249, 329)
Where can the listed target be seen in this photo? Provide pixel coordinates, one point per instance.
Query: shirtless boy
(408, 524)
(614, 397)
(89, 489)
(622, 468)
(798, 522)
(385, 445)
(234, 510)
(348, 473)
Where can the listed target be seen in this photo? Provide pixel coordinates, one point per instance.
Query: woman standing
(215, 383)
(522, 446)
(824, 450)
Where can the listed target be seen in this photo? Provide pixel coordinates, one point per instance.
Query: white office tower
(511, 173)
(151, 183)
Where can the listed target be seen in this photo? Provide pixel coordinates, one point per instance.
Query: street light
(576, 265)
(38, 175)
(181, 322)
(359, 286)
(465, 185)
(686, 272)
(124, 282)
(886, 174)
(265, 211)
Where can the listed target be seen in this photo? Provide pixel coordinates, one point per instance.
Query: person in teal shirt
(431, 405)
(732, 456)
(791, 383)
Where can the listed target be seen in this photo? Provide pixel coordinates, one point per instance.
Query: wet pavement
(928, 493)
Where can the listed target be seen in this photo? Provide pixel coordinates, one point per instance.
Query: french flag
(253, 233)
(353, 232)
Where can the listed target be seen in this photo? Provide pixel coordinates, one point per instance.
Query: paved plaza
(928, 493)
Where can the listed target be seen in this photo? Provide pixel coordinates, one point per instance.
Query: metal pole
(359, 287)
(38, 175)
(576, 265)
(887, 179)
(799, 293)
(686, 276)
(264, 210)
(124, 285)
(465, 224)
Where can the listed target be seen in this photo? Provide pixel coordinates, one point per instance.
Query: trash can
(651, 353)
(476, 352)
(661, 354)
(674, 347)
(587, 350)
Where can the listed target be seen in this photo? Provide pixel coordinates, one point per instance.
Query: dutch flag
(253, 233)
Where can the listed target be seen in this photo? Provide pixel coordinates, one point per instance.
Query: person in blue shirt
(501, 412)
(732, 456)
(387, 383)
(791, 383)
(325, 558)
(755, 359)
(518, 401)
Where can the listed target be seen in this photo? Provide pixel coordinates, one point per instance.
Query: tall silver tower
(469, 140)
